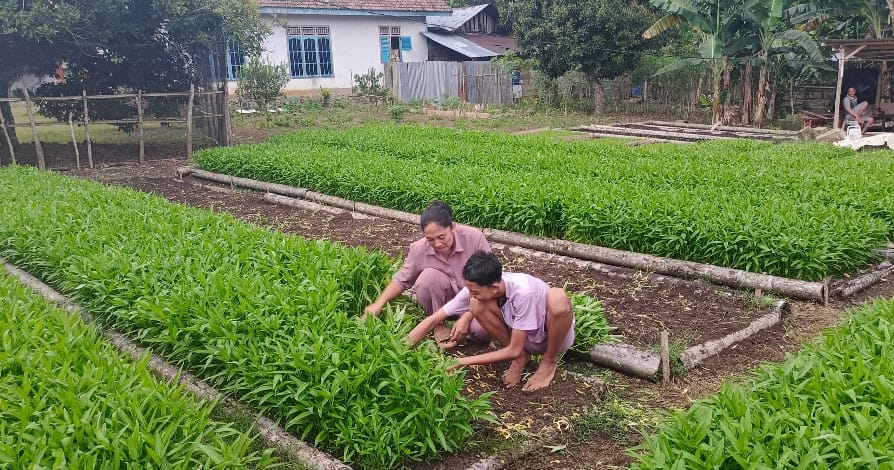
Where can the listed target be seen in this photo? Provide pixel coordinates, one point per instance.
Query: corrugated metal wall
(475, 82)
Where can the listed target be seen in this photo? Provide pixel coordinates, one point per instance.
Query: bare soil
(638, 305)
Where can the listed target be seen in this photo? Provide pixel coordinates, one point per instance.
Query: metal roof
(419, 7)
(493, 42)
(460, 45)
(455, 21)
(863, 49)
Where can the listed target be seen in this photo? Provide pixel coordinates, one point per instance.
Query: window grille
(310, 51)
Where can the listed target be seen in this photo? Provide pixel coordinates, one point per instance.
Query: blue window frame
(310, 52)
(235, 60)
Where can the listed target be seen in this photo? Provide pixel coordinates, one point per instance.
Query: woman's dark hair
(483, 268)
(438, 212)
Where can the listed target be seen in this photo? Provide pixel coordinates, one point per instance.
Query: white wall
(355, 47)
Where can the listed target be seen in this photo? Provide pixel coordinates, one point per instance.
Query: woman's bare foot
(513, 374)
(542, 377)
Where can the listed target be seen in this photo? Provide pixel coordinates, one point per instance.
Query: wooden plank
(41, 162)
(74, 141)
(12, 153)
(140, 126)
(837, 121)
(87, 130)
(665, 358)
(192, 89)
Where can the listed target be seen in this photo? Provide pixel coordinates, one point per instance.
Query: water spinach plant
(267, 317)
(802, 210)
(830, 406)
(71, 401)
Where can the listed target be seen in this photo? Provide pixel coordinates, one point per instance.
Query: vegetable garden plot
(266, 317)
(806, 211)
(637, 303)
(70, 400)
(831, 406)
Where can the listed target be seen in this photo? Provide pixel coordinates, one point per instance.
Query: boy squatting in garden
(519, 310)
(433, 267)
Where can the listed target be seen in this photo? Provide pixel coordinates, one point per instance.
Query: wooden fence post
(665, 358)
(228, 129)
(87, 130)
(12, 153)
(192, 92)
(41, 162)
(140, 124)
(74, 140)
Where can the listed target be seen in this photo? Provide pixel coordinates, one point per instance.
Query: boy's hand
(460, 328)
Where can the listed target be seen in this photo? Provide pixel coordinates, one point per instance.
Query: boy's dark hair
(438, 212)
(483, 268)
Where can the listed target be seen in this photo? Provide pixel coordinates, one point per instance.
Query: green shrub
(370, 84)
(261, 82)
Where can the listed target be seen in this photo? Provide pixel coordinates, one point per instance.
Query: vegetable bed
(71, 401)
(805, 210)
(267, 317)
(831, 406)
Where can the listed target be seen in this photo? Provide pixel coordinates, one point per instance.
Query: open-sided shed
(879, 51)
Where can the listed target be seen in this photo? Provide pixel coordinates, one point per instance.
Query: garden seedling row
(830, 406)
(70, 400)
(800, 210)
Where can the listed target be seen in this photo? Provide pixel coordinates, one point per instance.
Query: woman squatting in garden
(519, 310)
(433, 267)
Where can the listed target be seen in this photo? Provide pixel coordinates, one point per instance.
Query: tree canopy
(153, 45)
(601, 38)
(113, 45)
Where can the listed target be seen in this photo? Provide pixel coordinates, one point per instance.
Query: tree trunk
(762, 91)
(890, 11)
(771, 100)
(716, 105)
(747, 83)
(727, 113)
(598, 95)
(6, 109)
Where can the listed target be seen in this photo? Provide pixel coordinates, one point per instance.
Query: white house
(326, 42)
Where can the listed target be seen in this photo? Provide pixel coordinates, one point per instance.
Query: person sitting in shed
(855, 111)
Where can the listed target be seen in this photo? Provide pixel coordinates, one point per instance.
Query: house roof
(418, 7)
(455, 21)
(460, 45)
(496, 43)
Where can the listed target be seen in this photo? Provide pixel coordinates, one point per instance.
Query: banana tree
(774, 36)
(851, 18)
(715, 21)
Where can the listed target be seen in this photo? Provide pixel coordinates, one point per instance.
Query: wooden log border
(272, 434)
(852, 286)
(648, 364)
(814, 291)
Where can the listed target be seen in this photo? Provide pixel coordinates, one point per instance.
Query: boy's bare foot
(542, 377)
(441, 333)
(513, 374)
